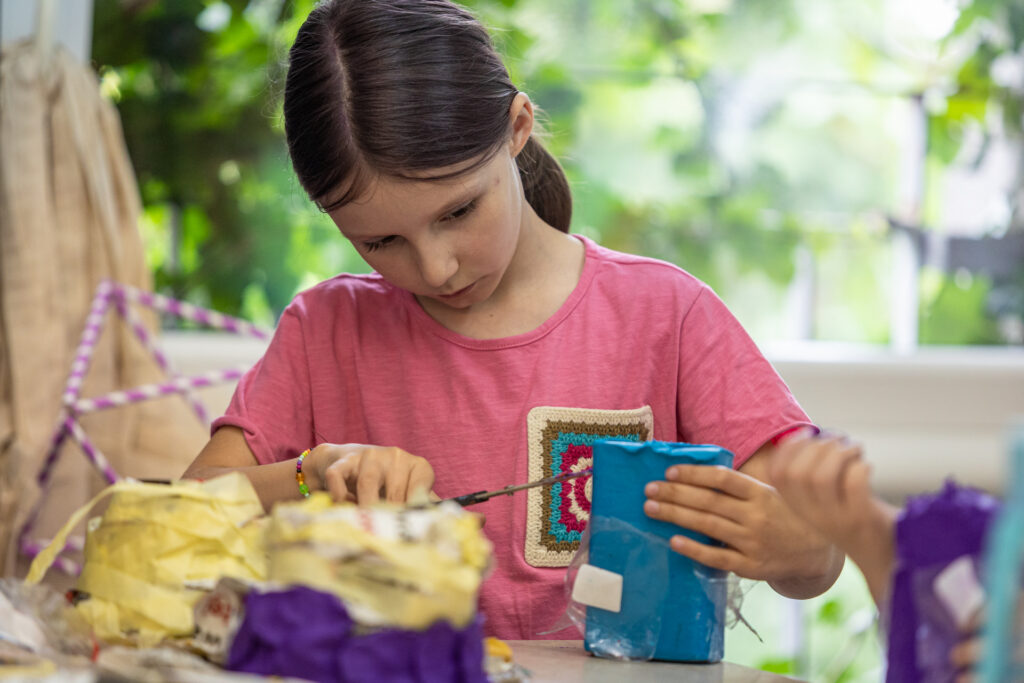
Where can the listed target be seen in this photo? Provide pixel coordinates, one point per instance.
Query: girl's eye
(460, 212)
(379, 244)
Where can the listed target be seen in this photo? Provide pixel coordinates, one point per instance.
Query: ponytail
(545, 185)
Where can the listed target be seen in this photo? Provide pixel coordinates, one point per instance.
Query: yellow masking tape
(151, 540)
(391, 565)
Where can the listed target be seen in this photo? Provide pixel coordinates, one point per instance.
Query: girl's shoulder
(348, 292)
(620, 268)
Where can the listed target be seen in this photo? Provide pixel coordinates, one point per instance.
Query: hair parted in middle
(402, 88)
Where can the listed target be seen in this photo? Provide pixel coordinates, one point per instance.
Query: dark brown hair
(401, 88)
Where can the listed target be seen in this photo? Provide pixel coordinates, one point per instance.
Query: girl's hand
(965, 657)
(825, 481)
(366, 474)
(763, 539)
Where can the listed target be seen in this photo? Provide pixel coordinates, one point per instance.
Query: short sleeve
(729, 394)
(271, 403)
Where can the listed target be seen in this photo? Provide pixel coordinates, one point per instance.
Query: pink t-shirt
(639, 350)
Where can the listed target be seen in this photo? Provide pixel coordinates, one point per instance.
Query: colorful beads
(299, 476)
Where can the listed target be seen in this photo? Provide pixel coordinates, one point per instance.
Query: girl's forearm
(274, 483)
(228, 451)
(874, 551)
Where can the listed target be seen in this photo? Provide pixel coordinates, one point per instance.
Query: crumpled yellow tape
(403, 584)
(151, 540)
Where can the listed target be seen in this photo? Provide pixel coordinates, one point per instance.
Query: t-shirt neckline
(423, 319)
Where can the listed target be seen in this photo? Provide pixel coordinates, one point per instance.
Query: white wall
(921, 417)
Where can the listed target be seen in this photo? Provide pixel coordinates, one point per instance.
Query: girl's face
(449, 242)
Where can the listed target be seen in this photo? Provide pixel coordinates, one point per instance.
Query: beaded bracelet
(299, 476)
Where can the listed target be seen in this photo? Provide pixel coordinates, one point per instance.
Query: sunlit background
(837, 171)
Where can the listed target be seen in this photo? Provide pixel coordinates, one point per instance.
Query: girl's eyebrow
(469, 195)
(460, 201)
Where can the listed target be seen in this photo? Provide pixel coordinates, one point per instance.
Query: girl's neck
(542, 275)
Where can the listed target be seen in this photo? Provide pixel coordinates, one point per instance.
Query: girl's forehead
(383, 191)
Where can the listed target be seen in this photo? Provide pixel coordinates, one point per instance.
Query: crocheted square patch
(561, 440)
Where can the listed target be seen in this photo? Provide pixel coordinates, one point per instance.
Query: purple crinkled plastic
(932, 531)
(308, 634)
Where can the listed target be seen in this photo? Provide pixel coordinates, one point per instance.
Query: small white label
(960, 591)
(596, 587)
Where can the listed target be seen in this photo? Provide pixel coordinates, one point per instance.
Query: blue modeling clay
(672, 608)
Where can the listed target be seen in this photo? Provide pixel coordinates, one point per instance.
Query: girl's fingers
(827, 478)
(856, 488)
(725, 559)
(421, 476)
(780, 465)
(709, 524)
(396, 484)
(369, 482)
(337, 485)
(695, 498)
(365, 474)
(719, 478)
(965, 654)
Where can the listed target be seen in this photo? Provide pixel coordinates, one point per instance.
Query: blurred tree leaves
(717, 134)
(225, 220)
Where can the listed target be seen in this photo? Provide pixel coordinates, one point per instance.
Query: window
(837, 171)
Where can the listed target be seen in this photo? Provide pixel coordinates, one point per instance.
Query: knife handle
(471, 498)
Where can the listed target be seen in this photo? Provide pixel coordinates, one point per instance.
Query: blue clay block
(669, 609)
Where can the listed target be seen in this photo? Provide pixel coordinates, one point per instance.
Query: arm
(825, 481)
(228, 451)
(814, 561)
(763, 539)
(349, 472)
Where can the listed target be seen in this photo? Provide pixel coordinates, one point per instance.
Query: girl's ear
(521, 117)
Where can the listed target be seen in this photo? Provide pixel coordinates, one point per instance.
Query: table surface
(565, 661)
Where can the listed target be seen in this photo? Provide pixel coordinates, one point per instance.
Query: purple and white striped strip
(93, 327)
(148, 391)
(194, 313)
(92, 452)
(107, 292)
(59, 434)
(135, 322)
(69, 567)
(43, 478)
(33, 548)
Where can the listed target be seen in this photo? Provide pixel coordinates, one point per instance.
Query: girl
(490, 346)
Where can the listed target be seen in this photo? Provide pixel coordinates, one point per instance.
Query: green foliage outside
(722, 135)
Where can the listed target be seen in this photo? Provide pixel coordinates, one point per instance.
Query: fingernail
(651, 507)
(678, 542)
(651, 489)
(672, 473)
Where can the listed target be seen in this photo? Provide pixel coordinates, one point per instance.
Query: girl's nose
(437, 264)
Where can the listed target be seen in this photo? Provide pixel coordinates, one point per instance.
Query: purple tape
(306, 633)
(931, 532)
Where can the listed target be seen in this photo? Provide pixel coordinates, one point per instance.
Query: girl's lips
(457, 294)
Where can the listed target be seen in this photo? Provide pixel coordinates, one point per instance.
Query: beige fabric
(69, 208)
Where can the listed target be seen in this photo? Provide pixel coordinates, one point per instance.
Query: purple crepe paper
(308, 634)
(932, 531)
